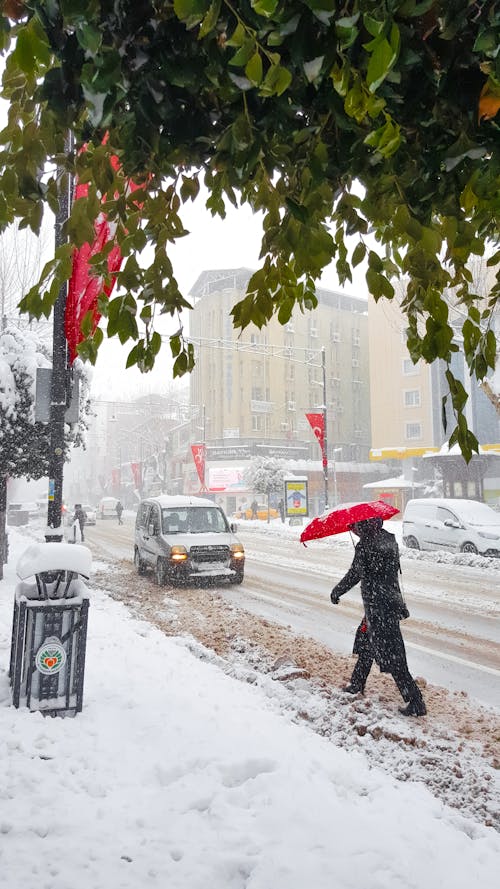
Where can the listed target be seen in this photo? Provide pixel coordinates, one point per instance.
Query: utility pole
(204, 430)
(325, 428)
(59, 384)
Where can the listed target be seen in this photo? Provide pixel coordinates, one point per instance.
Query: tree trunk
(3, 516)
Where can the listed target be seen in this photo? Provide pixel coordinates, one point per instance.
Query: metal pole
(325, 429)
(119, 472)
(58, 393)
(204, 446)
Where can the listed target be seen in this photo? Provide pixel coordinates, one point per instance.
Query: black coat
(376, 566)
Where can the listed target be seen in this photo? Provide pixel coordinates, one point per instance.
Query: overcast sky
(212, 243)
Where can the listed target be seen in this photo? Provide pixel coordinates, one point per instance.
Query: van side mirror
(450, 524)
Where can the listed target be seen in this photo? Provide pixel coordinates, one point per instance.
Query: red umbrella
(343, 516)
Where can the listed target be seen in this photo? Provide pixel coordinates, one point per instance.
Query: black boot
(416, 707)
(353, 689)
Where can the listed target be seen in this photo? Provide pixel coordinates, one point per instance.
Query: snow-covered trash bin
(49, 628)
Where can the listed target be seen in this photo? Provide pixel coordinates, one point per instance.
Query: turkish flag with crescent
(84, 286)
(199, 454)
(317, 422)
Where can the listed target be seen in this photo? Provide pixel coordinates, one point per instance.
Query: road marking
(452, 657)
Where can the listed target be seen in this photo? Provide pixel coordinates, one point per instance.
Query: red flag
(199, 454)
(317, 422)
(84, 286)
(136, 473)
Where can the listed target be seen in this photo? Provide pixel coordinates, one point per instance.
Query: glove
(334, 598)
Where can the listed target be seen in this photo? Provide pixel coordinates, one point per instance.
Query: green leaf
(210, 20)
(381, 62)
(31, 48)
(373, 26)
(244, 53)
(264, 7)
(253, 69)
(191, 12)
(359, 254)
(276, 81)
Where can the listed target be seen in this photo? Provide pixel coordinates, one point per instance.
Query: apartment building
(257, 385)
(407, 399)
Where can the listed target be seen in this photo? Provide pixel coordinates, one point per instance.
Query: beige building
(400, 391)
(258, 385)
(407, 399)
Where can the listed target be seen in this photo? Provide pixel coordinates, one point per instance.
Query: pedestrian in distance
(254, 507)
(281, 507)
(378, 637)
(80, 517)
(119, 510)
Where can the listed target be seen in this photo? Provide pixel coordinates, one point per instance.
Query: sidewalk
(177, 776)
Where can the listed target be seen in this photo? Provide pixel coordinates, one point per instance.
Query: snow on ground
(176, 774)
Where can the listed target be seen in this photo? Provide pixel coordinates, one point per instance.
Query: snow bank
(178, 775)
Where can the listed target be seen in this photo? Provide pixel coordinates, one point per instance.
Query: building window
(257, 422)
(412, 397)
(413, 431)
(409, 368)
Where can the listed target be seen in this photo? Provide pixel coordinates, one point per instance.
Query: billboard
(296, 497)
(225, 478)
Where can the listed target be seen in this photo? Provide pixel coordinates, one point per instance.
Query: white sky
(212, 243)
(176, 774)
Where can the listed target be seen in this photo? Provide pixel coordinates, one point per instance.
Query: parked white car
(466, 526)
(90, 513)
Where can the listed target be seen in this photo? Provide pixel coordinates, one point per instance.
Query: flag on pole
(317, 423)
(85, 286)
(199, 455)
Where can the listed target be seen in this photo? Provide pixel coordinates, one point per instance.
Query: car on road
(466, 526)
(262, 512)
(186, 539)
(91, 514)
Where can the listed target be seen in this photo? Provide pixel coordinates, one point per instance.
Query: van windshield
(476, 513)
(193, 520)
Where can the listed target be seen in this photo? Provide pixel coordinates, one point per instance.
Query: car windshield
(193, 520)
(480, 514)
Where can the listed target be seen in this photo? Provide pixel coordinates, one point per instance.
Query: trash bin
(49, 628)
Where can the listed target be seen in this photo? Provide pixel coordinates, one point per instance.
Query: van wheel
(468, 548)
(238, 578)
(139, 564)
(161, 572)
(412, 543)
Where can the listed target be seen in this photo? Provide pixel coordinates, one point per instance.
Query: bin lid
(41, 557)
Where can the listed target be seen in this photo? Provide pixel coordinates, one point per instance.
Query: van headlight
(178, 553)
(237, 551)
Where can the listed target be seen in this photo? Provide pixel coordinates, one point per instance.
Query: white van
(107, 508)
(466, 526)
(186, 538)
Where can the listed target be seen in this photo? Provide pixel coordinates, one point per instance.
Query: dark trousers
(405, 682)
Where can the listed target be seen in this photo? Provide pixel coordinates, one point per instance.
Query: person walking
(254, 507)
(119, 510)
(378, 637)
(281, 507)
(80, 517)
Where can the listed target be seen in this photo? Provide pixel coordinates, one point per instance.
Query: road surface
(452, 636)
